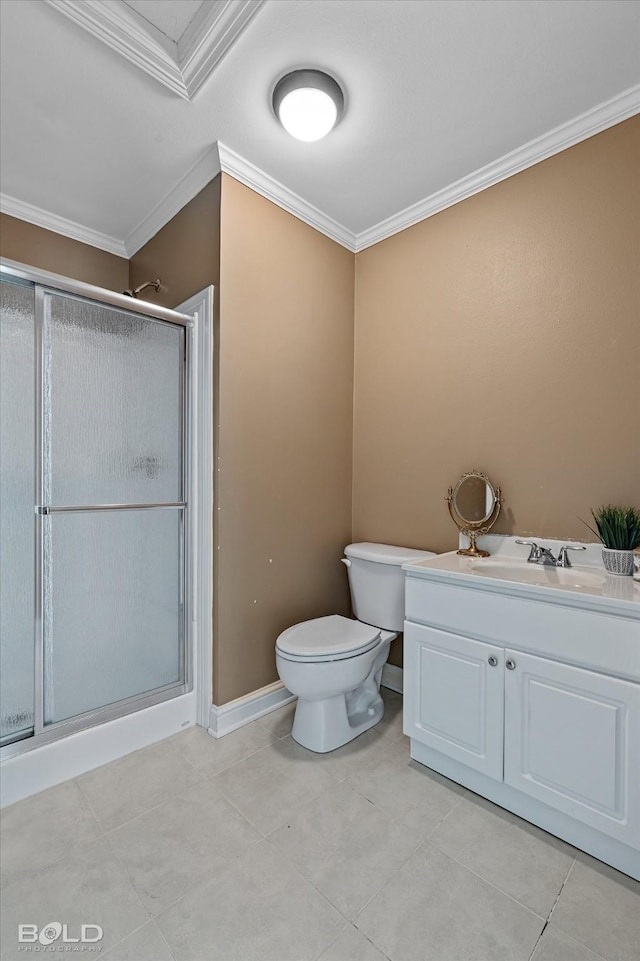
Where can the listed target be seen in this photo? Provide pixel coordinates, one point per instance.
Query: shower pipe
(136, 290)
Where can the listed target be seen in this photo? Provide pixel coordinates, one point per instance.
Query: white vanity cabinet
(572, 740)
(454, 696)
(530, 702)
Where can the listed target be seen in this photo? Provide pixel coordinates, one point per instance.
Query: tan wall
(50, 251)
(184, 254)
(503, 334)
(285, 434)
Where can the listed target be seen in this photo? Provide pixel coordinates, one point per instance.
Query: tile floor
(250, 848)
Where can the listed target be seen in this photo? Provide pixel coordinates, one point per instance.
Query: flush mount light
(308, 103)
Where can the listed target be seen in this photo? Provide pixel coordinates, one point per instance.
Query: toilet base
(325, 725)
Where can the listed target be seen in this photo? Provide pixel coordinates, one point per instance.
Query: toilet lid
(327, 638)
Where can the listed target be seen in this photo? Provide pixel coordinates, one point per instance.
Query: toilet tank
(376, 580)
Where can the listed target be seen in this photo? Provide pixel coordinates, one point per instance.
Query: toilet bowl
(334, 664)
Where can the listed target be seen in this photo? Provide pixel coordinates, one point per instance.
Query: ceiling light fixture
(308, 103)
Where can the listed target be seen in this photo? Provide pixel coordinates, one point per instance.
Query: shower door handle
(47, 509)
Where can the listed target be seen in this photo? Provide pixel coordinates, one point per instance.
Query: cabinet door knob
(493, 660)
(511, 664)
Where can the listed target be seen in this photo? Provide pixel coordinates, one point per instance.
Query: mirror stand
(474, 504)
(472, 550)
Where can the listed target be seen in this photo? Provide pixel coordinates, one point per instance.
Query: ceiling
(112, 112)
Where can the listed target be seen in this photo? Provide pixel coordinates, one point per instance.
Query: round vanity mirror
(474, 505)
(474, 498)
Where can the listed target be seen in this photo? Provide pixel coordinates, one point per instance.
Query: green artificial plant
(618, 527)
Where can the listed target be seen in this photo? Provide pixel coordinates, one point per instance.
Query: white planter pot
(617, 562)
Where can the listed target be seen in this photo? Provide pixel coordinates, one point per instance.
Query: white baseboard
(229, 717)
(392, 678)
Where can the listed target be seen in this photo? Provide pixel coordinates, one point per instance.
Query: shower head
(136, 290)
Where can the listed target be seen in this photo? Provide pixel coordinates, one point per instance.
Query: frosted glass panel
(17, 521)
(111, 607)
(112, 386)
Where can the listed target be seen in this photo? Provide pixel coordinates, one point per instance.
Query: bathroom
(353, 388)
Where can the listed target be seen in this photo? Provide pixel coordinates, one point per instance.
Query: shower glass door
(17, 499)
(93, 511)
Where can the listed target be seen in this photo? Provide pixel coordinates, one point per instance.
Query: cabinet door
(454, 696)
(572, 740)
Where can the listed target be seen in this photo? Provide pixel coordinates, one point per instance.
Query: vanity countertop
(588, 586)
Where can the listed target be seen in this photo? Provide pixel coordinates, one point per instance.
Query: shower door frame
(46, 283)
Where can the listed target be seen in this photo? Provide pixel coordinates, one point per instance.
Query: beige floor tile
(352, 817)
(434, 908)
(121, 790)
(260, 910)
(365, 749)
(86, 886)
(556, 946)
(37, 831)
(279, 722)
(417, 797)
(273, 784)
(600, 908)
(352, 945)
(520, 859)
(210, 755)
(146, 944)
(180, 843)
(345, 846)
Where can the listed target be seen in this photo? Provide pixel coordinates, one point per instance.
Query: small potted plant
(619, 531)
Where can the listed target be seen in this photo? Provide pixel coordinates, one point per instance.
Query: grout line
(486, 881)
(219, 873)
(553, 907)
(131, 884)
(547, 922)
(130, 934)
(461, 798)
(89, 806)
(71, 846)
(415, 850)
(332, 942)
(154, 806)
(240, 812)
(386, 814)
(539, 938)
(566, 933)
(162, 938)
(283, 857)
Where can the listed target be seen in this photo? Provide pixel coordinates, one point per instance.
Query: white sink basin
(569, 578)
(587, 585)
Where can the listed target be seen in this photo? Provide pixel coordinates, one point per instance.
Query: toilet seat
(331, 638)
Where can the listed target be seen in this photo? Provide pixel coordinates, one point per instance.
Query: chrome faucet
(542, 555)
(563, 557)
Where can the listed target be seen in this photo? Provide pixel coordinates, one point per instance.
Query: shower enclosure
(94, 551)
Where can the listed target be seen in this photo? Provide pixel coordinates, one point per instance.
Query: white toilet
(334, 664)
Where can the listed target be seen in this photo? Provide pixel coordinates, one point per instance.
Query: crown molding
(251, 176)
(209, 36)
(196, 178)
(181, 67)
(594, 121)
(121, 29)
(60, 225)
(221, 158)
